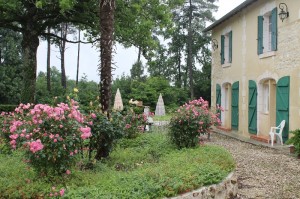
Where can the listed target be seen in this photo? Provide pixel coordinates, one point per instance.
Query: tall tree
(78, 54)
(48, 61)
(31, 19)
(188, 42)
(107, 16)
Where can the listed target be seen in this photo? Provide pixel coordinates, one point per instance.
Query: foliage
(10, 67)
(154, 169)
(89, 89)
(295, 140)
(105, 132)
(190, 121)
(134, 124)
(50, 136)
(7, 107)
(148, 90)
(137, 70)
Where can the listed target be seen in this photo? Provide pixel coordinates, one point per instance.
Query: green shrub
(134, 124)
(190, 121)
(104, 133)
(295, 140)
(7, 107)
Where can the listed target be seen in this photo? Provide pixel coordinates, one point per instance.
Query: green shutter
(230, 47)
(218, 98)
(235, 106)
(222, 49)
(274, 29)
(252, 107)
(283, 105)
(260, 35)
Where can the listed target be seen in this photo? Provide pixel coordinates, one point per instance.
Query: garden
(61, 150)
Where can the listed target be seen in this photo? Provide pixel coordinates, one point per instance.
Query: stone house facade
(256, 66)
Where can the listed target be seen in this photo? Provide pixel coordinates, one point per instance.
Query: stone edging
(225, 189)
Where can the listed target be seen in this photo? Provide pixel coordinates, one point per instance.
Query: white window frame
(267, 32)
(266, 97)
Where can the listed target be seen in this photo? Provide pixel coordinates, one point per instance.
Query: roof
(230, 14)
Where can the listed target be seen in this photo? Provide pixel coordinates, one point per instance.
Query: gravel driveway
(262, 172)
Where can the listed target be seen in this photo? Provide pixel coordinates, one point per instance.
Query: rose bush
(190, 121)
(134, 124)
(50, 135)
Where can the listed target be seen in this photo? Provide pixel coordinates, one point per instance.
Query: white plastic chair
(273, 132)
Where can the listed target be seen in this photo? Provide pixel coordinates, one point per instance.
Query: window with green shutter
(226, 48)
(267, 32)
(274, 29)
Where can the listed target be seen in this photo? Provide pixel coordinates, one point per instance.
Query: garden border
(225, 189)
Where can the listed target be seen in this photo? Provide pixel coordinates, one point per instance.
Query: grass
(147, 167)
(162, 118)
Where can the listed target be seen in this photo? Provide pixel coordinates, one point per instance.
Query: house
(256, 66)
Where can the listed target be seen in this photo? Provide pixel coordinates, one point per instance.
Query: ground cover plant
(149, 166)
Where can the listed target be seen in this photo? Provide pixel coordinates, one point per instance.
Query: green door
(218, 98)
(282, 104)
(235, 106)
(252, 107)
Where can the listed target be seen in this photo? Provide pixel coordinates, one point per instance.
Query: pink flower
(62, 192)
(36, 146)
(93, 115)
(71, 153)
(127, 126)
(68, 172)
(14, 136)
(86, 132)
(51, 136)
(55, 140)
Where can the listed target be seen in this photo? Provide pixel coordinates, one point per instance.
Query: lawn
(146, 167)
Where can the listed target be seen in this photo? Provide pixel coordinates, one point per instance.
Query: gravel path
(262, 172)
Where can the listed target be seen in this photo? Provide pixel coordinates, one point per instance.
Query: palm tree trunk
(107, 9)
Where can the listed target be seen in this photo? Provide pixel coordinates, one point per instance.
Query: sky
(89, 56)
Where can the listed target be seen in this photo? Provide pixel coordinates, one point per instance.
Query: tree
(107, 16)
(31, 19)
(137, 70)
(63, 29)
(188, 43)
(10, 66)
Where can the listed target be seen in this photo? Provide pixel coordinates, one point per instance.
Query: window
(226, 48)
(267, 32)
(226, 97)
(266, 97)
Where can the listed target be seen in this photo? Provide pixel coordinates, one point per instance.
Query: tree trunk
(64, 29)
(48, 62)
(139, 55)
(30, 45)
(179, 82)
(107, 9)
(78, 54)
(190, 56)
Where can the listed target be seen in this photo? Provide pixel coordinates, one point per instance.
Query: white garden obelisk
(160, 106)
(118, 104)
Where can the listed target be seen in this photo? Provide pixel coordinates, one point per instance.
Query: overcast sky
(89, 56)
